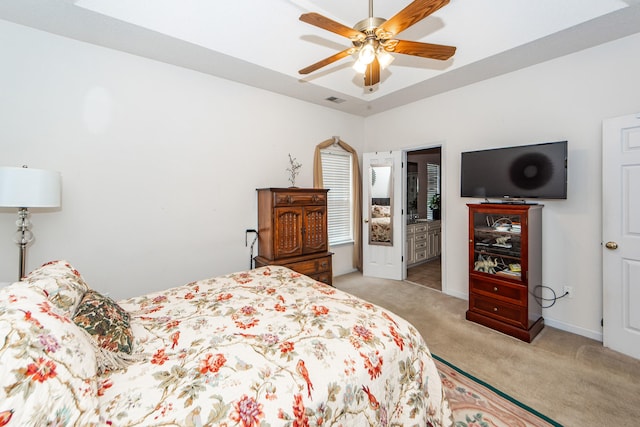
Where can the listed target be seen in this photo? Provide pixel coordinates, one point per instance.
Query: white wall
(566, 98)
(159, 164)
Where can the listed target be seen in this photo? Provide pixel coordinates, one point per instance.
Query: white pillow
(47, 364)
(62, 283)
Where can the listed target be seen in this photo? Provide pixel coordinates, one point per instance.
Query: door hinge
(602, 322)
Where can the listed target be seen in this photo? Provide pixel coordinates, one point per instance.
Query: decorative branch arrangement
(293, 170)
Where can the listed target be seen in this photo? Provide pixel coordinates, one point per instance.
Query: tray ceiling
(263, 44)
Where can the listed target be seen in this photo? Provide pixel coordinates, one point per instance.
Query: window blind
(337, 177)
(433, 185)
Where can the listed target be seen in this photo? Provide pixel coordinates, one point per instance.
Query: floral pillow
(48, 369)
(63, 284)
(109, 326)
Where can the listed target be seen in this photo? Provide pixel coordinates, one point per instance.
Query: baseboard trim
(594, 335)
(563, 326)
(461, 295)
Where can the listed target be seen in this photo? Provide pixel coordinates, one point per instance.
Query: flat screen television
(537, 171)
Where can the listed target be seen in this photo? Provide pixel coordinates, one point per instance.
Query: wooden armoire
(292, 231)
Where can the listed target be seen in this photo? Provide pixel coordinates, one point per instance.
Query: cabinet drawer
(299, 199)
(422, 236)
(324, 277)
(420, 228)
(501, 291)
(420, 255)
(312, 266)
(508, 313)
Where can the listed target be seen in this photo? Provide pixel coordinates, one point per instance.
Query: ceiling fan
(373, 39)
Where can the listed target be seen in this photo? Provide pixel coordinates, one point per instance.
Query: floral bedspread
(271, 347)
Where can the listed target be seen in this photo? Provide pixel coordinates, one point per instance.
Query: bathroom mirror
(381, 204)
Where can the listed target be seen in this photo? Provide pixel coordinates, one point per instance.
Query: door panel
(288, 233)
(315, 225)
(383, 219)
(621, 234)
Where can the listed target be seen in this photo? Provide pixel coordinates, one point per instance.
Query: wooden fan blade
(411, 14)
(425, 50)
(331, 25)
(372, 74)
(326, 61)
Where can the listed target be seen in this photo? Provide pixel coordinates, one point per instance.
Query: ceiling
(263, 44)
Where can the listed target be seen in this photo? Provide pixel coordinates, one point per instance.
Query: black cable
(555, 298)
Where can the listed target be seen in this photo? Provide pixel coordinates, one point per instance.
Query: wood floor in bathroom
(427, 274)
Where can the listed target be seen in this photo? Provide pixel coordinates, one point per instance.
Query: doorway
(423, 228)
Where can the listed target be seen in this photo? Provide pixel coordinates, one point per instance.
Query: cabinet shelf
(492, 230)
(498, 252)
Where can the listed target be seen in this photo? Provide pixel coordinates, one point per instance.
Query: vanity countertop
(421, 220)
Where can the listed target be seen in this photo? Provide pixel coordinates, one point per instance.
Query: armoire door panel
(314, 230)
(288, 232)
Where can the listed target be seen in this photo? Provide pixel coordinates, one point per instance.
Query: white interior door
(621, 234)
(382, 234)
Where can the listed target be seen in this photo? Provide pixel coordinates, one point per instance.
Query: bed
(265, 347)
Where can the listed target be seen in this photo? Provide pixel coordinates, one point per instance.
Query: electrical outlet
(568, 289)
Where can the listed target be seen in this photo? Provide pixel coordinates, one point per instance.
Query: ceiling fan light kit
(373, 39)
(367, 52)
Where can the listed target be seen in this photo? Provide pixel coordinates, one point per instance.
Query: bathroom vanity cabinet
(423, 241)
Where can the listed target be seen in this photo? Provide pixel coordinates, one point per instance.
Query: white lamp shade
(29, 188)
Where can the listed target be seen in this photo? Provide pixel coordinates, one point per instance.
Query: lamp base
(23, 237)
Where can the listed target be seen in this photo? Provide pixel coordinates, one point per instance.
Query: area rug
(475, 403)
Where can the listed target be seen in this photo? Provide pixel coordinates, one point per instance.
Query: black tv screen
(537, 171)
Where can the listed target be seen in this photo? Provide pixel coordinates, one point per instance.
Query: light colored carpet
(569, 378)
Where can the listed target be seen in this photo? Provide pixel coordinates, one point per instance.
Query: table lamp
(25, 188)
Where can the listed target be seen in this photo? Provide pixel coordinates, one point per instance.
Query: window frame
(340, 195)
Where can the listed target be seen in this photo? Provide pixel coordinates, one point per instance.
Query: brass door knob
(611, 245)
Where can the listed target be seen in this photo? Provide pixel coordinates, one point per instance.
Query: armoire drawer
(500, 310)
(514, 294)
(312, 266)
(299, 199)
(324, 277)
